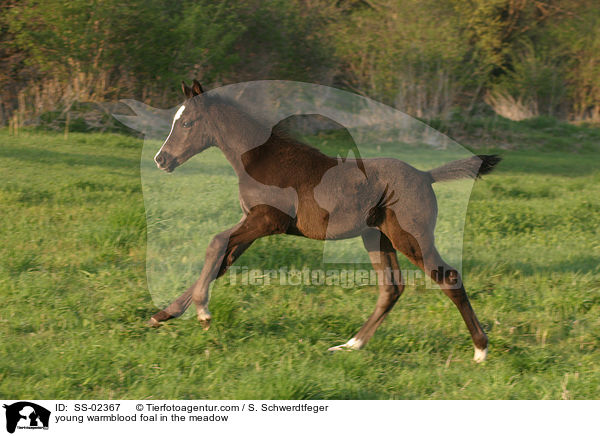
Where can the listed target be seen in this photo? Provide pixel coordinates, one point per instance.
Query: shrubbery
(523, 58)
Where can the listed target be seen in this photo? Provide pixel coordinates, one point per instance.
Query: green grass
(540, 134)
(75, 297)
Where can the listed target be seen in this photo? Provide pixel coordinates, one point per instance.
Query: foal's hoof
(158, 318)
(205, 318)
(153, 322)
(352, 344)
(480, 355)
(342, 347)
(205, 323)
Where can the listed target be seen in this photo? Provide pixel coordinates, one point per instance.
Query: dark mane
(290, 129)
(283, 135)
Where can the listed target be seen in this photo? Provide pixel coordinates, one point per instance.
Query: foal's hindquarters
(408, 226)
(382, 244)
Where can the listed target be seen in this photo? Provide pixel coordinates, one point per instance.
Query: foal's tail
(470, 168)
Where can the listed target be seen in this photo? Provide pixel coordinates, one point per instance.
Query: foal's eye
(187, 124)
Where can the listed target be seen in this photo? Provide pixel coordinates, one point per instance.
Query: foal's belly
(317, 222)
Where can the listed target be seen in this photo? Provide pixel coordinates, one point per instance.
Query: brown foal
(282, 188)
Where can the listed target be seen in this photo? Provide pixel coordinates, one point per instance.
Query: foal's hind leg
(451, 283)
(384, 260)
(223, 250)
(422, 253)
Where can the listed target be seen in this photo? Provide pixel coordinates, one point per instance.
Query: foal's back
(332, 198)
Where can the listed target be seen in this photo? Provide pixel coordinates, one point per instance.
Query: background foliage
(523, 58)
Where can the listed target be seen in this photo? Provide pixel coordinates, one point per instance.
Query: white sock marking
(352, 344)
(480, 355)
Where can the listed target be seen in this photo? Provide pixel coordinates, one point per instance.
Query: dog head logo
(26, 415)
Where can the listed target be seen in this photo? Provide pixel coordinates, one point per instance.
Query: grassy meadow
(75, 298)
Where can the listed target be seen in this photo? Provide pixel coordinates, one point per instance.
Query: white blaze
(178, 113)
(175, 118)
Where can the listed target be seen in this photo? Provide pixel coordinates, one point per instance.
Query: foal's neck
(239, 133)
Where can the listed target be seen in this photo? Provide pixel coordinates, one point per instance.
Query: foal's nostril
(160, 159)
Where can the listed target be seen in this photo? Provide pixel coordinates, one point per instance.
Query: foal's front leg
(220, 254)
(223, 250)
(180, 305)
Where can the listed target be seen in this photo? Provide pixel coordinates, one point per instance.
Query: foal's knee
(216, 247)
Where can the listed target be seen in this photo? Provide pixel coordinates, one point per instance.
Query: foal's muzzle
(165, 161)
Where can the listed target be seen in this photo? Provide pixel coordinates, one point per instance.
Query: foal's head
(190, 132)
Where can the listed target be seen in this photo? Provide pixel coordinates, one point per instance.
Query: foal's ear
(187, 91)
(197, 88)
